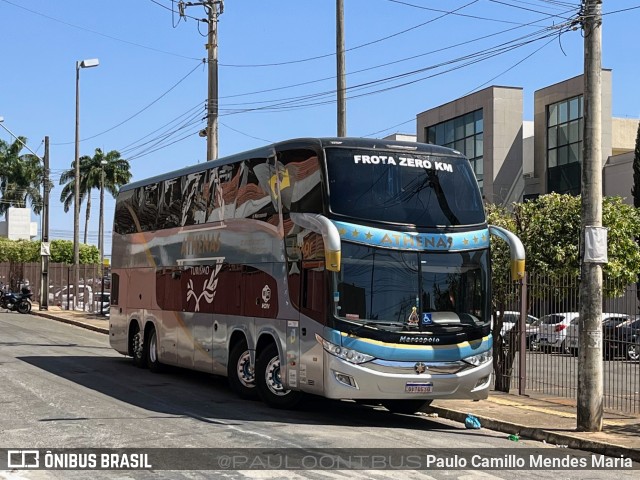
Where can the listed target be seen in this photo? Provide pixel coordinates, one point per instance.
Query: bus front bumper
(382, 380)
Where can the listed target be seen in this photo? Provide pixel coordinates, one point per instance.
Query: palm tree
(20, 177)
(116, 171)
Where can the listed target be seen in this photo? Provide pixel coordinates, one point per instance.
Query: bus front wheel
(269, 380)
(241, 375)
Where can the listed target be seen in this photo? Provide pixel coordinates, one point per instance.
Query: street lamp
(103, 162)
(92, 62)
(44, 229)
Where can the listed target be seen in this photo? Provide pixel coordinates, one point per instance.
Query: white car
(609, 320)
(552, 331)
(62, 298)
(102, 303)
(509, 320)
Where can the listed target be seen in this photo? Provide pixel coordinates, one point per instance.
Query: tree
(117, 172)
(20, 177)
(501, 295)
(635, 191)
(549, 228)
(22, 251)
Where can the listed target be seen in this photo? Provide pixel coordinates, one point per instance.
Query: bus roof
(345, 142)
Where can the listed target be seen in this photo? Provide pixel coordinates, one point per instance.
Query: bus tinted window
(126, 208)
(407, 188)
(254, 198)
(148, 207)
(300, 181)
(169, 204)
(194, 200)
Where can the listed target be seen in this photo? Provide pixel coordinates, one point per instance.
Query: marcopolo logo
(23, 459)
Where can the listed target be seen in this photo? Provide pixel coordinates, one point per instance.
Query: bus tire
(151, 351)
(269, 382)
(408, 407)
(241, 377)
(136, 346)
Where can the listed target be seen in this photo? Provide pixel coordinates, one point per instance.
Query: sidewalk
(538, 417)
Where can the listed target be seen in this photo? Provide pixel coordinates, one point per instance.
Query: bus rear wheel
(136, 346)
(151, 351)
(269, 381)
(406, 406)
(240, 373)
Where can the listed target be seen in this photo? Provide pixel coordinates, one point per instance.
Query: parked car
(62, 297)
(509, 320)
(609, 322)
(553, 330)
(102, 303)
(623, 340)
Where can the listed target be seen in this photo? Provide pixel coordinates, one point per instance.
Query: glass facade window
(464, 134)
(564, 145)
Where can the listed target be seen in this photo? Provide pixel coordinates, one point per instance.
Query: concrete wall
(502, 109)
(401, 137)
(617, 177)
(624, 133)
(18, 225)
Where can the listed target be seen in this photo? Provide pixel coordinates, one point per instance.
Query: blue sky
(403, 57)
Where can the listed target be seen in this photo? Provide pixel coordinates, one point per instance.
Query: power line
(111, 37)
(138, 112)
(304, 101)
(476, 17)
(290, 62)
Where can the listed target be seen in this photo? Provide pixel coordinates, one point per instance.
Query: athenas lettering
(199, 244)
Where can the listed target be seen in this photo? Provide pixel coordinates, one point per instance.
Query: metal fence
(551, 341)
(92, 280)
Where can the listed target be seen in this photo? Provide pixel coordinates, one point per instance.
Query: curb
(71, 322)
(539, 434)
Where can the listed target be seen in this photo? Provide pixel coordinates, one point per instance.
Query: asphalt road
(64, 387)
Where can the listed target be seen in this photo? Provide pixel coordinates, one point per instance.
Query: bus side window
(115, 288)
(169, 204)
(124, 219)
(148, 207)
(314, 291)
(300, 181)
(194, 206)
(254, 198)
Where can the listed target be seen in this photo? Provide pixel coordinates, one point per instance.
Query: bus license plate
(418, 388)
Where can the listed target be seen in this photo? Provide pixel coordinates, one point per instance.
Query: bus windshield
(403, 188)
(381, 287)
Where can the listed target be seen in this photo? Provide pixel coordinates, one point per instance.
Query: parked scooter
(20, 302)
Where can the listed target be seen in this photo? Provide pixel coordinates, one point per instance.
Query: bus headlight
(479, 359)
(352, 356)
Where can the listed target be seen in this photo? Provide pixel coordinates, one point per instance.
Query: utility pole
(340, 70)
(590, 377)
(214, 9)
(44, 248)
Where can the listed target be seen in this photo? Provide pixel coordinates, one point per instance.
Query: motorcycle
(20, 302)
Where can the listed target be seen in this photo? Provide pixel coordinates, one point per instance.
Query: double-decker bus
(341, 267)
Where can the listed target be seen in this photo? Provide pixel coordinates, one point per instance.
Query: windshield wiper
(357, 328)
